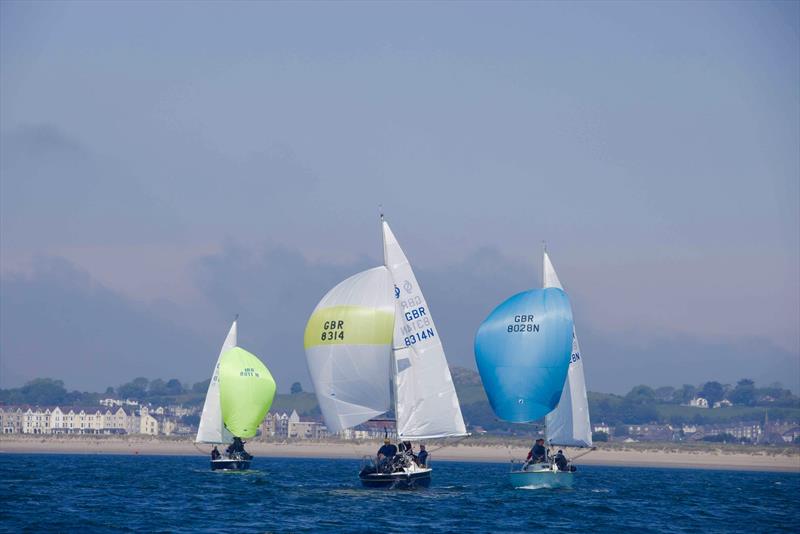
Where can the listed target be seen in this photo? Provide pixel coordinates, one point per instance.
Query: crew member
(422, 457)
(561, 461)
(386, 452)
(537, 454)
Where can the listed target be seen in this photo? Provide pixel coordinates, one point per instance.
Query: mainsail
(348, 344)
(374, 331)
(427, 404)
(522, 350)
(212, 429)
(240, 393)
(568, 424)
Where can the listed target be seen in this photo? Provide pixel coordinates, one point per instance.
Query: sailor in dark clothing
(561, 461)
(236, 446)
(386, 454)
(215, 453)
(422, 457)
(538, 453)
(387, 451)
(236, 450)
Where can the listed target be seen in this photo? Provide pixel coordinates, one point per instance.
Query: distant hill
(465, 377)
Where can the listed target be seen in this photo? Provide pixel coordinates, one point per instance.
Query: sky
(165, 166)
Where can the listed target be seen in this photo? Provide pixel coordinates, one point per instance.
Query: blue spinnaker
(523, 350)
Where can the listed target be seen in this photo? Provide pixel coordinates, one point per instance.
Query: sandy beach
(664, 456)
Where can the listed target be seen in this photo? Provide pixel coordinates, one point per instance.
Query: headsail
(212, 428)
(247, 390)
(522, 350)
(348, 343)
(426, 400)
(568, 424)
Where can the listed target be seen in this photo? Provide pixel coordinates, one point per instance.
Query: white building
(602, 427)
(698, 402)
(153, 423)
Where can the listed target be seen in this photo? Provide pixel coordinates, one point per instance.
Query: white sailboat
(371, 345)
(239, 394)
(527, 354)
(568, 424)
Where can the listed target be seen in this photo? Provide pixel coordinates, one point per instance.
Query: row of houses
(291, 427)
(752, 432)
(85, 420)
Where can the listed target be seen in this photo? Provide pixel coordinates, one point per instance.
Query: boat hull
(399, 480)
(541, 476)
(230, 465)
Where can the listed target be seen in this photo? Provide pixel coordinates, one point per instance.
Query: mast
(392, 361)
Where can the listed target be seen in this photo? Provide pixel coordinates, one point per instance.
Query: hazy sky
(165, 166)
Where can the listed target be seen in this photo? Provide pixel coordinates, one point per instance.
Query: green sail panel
(246, 391)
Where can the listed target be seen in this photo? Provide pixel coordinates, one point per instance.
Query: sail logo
(396, 292)
(249, 371)
(408, 286)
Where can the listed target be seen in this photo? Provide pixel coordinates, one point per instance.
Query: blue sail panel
(523, 350)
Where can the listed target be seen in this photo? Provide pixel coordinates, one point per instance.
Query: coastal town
(128, 417)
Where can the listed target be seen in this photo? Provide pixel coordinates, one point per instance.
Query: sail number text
(332, 330)
(523, 323)
(419, 336)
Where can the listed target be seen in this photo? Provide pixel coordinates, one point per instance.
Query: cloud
(616, 361)
(55, 191)
(58, 322)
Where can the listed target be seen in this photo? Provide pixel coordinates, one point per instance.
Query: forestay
(426, 401)
(568, 424)
(348, 343)
(212, 428)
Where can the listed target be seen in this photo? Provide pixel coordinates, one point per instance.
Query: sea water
(96, 493)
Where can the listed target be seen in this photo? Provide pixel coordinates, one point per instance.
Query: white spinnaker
(426, 401)
(352, 380)
(212, 428)
(568, 424)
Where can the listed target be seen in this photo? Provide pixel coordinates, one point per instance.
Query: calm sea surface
(70, 493)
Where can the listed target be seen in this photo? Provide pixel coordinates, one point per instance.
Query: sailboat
(371, 345)
(528, 358)
(239, 395)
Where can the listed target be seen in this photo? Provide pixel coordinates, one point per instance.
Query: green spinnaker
(246, 391)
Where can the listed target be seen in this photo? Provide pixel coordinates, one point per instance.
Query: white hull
(541, 476)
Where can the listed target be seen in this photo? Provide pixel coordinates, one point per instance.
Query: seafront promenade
(666, 455)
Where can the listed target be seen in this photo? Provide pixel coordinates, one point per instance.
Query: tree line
(52, 392)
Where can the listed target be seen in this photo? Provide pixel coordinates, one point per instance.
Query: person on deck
(538, 454)
(422, 457)
(561, 461)
(236, 448)
(215, 453)
(386, 452)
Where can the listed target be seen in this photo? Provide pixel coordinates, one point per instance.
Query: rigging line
(459, 440)
(583, 453)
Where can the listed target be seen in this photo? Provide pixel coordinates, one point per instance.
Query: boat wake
(534, 487)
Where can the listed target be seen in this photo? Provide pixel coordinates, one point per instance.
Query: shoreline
(672, 457)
